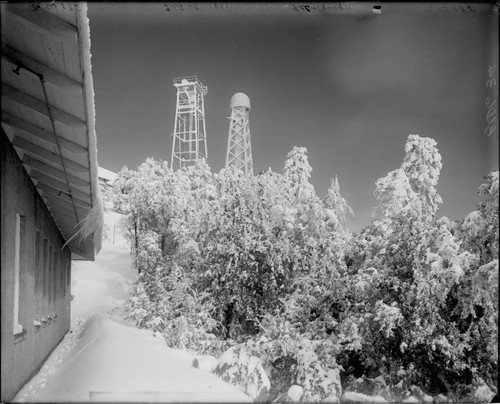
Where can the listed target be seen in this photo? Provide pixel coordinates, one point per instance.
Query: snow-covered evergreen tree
(336, 207)
(424, 270)
(422, 165)
(297, 172)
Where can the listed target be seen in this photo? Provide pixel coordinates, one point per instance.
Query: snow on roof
(94, 222)
(107, 175)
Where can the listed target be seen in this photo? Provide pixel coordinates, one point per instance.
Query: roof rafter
(57, 184)
(52, 76)
(19, 123)
(46, 154)
(58, 205)
(53, 171)
(66, 216)
(62, 195)
(40, 106)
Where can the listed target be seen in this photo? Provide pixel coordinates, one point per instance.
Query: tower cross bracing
(239, 147)
(189, 137)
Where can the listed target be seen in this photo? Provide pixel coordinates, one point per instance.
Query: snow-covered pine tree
(422, 165)
(386, 251)
(297, 172)
(336, 207)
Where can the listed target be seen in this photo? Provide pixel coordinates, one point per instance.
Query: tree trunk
(228, 319)
(136, 238)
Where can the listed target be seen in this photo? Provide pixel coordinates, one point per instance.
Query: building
(51, 207)
(106, 181)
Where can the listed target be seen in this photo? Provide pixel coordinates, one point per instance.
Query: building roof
(106, 175)
(48, 113)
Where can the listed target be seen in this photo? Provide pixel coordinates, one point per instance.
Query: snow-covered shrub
(317, 370)
(139, 307)
(389, 317)
(291, 358)
(245, 371)
(164, 301)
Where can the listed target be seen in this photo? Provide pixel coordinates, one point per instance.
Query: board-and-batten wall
(35, 276)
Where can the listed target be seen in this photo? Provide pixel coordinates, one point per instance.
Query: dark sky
(350, 85)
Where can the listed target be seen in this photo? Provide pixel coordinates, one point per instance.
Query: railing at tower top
(190, 80)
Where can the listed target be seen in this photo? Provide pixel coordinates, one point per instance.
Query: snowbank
(103, 359)
(353, 397)
(115, 362)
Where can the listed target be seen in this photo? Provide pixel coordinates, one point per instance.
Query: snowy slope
(101, 286)
(103, 359)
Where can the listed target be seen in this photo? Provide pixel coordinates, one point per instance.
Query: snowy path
(103, 359)
(101, 286)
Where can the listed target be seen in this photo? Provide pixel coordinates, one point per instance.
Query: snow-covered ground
(104, 359)
(102, 286)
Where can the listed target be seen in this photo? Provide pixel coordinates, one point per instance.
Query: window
(43, 281)
(62, 273)
(50, 277)
(38, 264)
(44, 268)
(38, 278)
(56, 276)
(19, 262)
(63, 276)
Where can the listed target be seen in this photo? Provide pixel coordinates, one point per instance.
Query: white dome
(240, 100)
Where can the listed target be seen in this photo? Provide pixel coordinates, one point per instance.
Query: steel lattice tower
(239, 147)
(190, 140)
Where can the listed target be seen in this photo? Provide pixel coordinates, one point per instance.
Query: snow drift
(112, 361)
